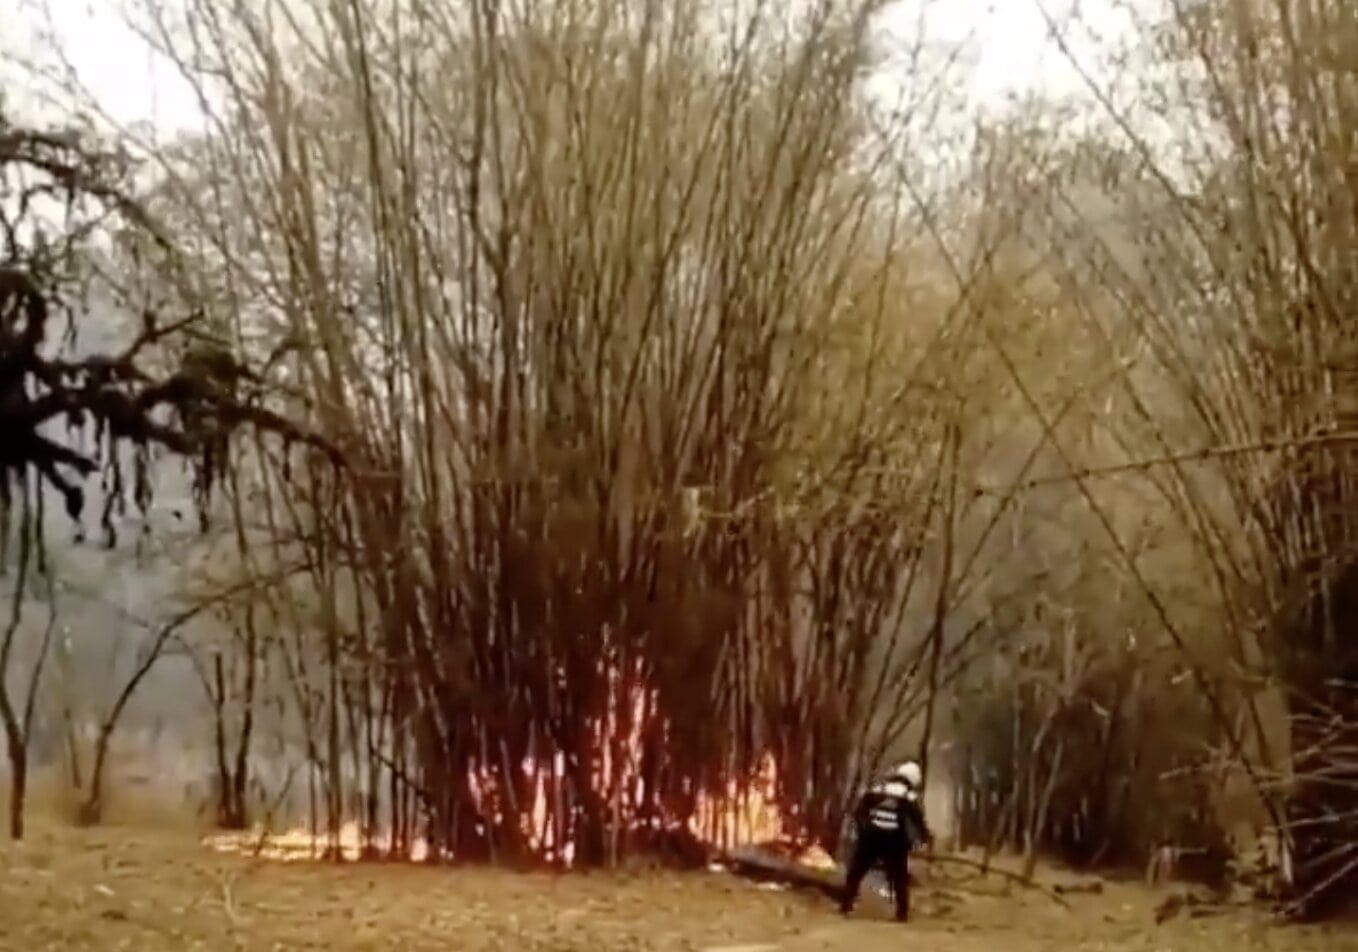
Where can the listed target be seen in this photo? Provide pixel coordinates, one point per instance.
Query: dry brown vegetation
(691, 417)
(136, 887)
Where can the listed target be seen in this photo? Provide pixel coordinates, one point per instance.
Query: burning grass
(744, 813)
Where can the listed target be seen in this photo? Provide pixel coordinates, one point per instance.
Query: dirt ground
(139, 889)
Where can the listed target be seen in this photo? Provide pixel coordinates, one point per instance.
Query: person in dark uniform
(890, 822)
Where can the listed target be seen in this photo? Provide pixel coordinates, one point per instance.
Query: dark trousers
(891, 853)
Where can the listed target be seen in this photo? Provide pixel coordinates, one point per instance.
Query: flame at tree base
(350, 844)
(745, 815)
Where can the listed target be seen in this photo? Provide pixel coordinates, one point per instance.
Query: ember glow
(301, 845)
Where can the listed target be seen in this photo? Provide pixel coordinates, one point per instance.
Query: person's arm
(912, 818)
(860, 811)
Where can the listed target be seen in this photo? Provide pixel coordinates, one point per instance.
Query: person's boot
(903, 911)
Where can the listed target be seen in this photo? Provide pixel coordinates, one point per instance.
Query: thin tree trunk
(17, 750)
(241, 771)
(18, 789)
(943, 601)
(1038, 820)
(228, 817)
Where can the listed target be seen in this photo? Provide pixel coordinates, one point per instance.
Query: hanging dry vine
(190, 405)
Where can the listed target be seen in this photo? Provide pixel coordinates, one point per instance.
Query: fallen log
(760, 864)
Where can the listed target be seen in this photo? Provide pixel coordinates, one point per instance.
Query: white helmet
(910, 774)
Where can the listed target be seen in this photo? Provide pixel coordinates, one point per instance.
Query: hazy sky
(1010, 48)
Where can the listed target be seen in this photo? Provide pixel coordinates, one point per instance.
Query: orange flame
(742, 814)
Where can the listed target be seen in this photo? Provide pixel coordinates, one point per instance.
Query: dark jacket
(892, 809)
